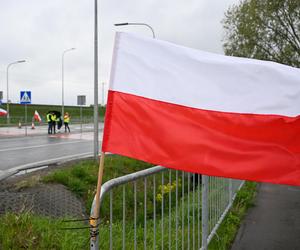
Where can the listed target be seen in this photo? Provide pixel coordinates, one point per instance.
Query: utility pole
(96, 119)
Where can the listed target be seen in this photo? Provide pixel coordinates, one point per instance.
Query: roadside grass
(27, 231)
(27, 183)
(81, 178)
(228, 229)
(36, 232)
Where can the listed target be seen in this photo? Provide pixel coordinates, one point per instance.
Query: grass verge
(27, 231)
(81, 178)
(34, 232)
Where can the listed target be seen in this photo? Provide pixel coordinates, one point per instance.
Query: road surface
(14, 131)
(274, 222)
(18, 152)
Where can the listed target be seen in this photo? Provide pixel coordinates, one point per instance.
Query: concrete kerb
(6, 174)
(43, 132)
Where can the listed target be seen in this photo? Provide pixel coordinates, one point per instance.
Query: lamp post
(7, 87)
(103, 93)
(144, 24)
(96, 112)
(62, 81)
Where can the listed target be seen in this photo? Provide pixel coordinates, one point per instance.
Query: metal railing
(161, 208)
(15, 120)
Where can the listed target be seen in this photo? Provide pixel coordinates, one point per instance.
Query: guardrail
(162, 208)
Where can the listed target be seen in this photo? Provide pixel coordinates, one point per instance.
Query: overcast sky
(39, 31)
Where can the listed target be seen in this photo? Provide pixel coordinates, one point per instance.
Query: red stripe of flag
(243, 146)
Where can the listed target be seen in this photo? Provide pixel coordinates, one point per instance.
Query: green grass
(17, 112)
(27, 231)
(81, 178)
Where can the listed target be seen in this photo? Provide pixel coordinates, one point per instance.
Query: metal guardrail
(162, 208)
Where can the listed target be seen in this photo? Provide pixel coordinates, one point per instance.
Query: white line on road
(9, 172)
(39, 146)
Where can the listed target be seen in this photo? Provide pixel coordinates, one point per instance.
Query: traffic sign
(25, 97)
(81, 100)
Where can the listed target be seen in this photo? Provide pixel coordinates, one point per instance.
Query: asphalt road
(20, 151)
(274, 222)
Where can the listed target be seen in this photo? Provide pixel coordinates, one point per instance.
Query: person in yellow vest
(49, 120)
(53, 117)
(66, 121)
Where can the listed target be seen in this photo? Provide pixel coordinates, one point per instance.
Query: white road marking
(39, 146)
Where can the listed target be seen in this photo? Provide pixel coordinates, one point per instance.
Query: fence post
(204, 211)
(94, 242)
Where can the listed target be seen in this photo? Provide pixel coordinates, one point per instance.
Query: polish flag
(204, 113)
(36, 116)
(3, 112)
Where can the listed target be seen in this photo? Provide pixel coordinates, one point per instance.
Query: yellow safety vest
(48, 117)
(66, 119)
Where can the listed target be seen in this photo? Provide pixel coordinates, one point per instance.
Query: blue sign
(25, 97)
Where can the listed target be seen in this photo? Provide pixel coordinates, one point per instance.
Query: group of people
(54, 119)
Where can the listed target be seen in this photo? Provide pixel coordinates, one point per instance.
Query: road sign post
(81, 100)
(25, 98)
(25, 119)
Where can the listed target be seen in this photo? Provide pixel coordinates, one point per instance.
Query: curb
(6, 174)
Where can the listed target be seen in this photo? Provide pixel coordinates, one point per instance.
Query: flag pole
(99, 184)
(95, 217)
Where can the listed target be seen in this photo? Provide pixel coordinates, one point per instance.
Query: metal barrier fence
(161, 208)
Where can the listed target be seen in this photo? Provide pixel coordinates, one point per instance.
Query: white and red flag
(3, 112)
(205, 113)
(36, 116)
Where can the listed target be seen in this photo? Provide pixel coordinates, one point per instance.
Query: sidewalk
(14, 131)
(274, 222)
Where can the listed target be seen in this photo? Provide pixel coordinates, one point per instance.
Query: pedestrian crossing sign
(25, 97)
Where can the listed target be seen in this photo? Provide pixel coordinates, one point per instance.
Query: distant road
(25, 151)
(14, 131)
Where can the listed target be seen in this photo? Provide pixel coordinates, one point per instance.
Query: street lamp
(7, 89)
(103, 93)
(144, 24)
(62, 84)
(96, 112)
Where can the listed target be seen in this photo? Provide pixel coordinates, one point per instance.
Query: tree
(264, 29)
